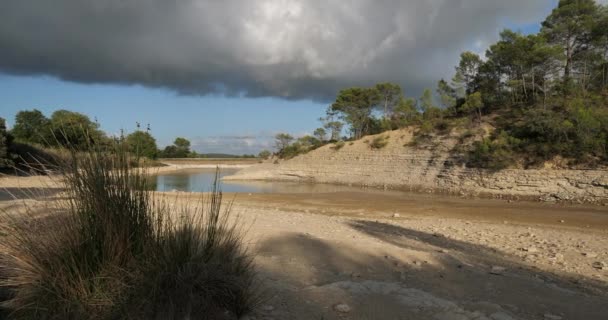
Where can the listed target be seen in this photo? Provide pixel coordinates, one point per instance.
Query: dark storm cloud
(284, 48)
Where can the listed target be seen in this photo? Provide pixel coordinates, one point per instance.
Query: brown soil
(399, 256)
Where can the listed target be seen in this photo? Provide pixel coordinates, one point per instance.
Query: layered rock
(437, 168)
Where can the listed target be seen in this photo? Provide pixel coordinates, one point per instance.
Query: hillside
(434, 167)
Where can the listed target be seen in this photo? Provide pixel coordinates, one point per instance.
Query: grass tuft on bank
(113, 250)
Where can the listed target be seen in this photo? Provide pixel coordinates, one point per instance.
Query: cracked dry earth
(415, 267)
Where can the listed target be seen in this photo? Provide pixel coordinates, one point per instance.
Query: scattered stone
(600, 265)
(418, 263)
(497, 270)
(590, 254)
(268, 308)
(562, 221)
(342, 308)
(396, 215)
(530, 249)
(549, 316)
(444, 251)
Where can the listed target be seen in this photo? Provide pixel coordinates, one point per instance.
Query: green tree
(75, 130)
(355, 106)
(182, 143)
(264, 154)
(447, 94)
(142, 144)
(466, 72)
(282, 141)
(390, 95)
(406, 112)
(429, 109)
(473, 104)
(5, 161)
(321, 134)
(570, 25)
(32, 126)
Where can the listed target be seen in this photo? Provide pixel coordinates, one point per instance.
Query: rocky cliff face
(436, 168)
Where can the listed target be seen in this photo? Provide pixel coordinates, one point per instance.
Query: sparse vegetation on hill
(545, 95)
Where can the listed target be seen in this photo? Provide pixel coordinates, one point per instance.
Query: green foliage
(119, 253)
(338, 145)
(142, 144)
(32, 127)
(466, 73)
(75, 130)
(447, 95)
(406, 113)
(182, 143)
(571, 26)
(320, 134)
(390, 96)
(179, 149)
(5, 159)
(282, 141)
(264, 154)
(355, 105)
(379, 142)
(473, 105)
(493, 154)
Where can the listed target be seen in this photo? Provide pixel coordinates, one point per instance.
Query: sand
(372, 256)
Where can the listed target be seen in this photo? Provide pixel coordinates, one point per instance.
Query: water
(201, 180)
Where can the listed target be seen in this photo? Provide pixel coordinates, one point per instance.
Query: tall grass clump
(112, 249)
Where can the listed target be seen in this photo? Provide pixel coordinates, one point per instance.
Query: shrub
(291, 151)
(264, 154)
(379, 142)
(493, 154)
(338, 145)
(116, 251)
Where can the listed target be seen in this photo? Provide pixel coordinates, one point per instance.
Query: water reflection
(201, 180)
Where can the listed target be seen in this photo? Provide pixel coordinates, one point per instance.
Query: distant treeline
(34, 135)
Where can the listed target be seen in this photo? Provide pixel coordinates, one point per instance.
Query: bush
(379, 142)
(493, 154)
(291, 151)
(338, 145)
(118, 252)
(264, 154)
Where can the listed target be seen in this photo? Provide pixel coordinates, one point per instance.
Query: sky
(229, 75)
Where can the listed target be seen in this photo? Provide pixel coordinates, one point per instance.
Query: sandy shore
(367, 256)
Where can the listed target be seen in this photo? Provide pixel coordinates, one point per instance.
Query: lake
(201, 180)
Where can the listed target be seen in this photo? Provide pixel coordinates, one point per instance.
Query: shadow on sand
(408, 274)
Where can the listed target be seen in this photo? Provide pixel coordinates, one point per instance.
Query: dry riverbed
(372, 256)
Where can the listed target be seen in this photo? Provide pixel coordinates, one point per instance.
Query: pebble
(396, 215)
(497, 270)
(530, 249)
(342, 308)
(549, 316)
(590, 254)
(600, 265)
(267, 308)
